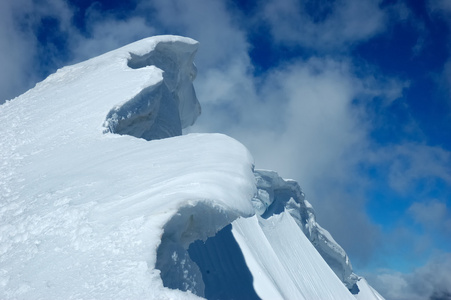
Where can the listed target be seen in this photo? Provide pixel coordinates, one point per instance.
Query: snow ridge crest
(275, 195)
(163, 109)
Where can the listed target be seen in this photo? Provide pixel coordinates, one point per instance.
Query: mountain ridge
(97, 181)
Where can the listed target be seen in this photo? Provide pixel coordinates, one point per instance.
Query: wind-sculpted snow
(163, 109)
(284, 263)
(366, 291)
(82, 213)
(100, 198)
(207, 267)
(275, 195)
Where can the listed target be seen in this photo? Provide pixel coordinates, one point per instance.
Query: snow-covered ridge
(87, 210)
(275, 194)
(82, 213)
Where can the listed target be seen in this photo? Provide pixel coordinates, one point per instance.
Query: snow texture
(284, 262)
(366, 291)
(82, 213)
(101, 198)
(275, 194)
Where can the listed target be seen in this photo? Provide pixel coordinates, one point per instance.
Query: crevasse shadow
(214, 269)
(224, 270)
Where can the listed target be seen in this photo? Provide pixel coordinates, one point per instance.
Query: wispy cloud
(428, 282)
(441, 7)
(19, 43)
(441, 10)
(108, 34)
(410, 163)
(432, 215)
(207, 21)
(323, 24)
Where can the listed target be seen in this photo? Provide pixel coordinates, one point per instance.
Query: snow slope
(101, 196)
(288, 262)
(275, 195)
(366, 291)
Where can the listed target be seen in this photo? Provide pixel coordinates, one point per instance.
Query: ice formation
(274, 195)
(101, 197)
(163, 109)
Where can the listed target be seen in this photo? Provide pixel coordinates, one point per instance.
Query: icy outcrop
(275, 195)
(163, 109)
(175, 58)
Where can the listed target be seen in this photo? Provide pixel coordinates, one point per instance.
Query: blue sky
(351, 98)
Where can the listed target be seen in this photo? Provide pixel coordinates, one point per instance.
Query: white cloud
(328, 26)
(209, 22)
(428, 282)
(109, 34)
(15, 56)
(388, 89)
(439, 7)
(441, 10)
(444, 80)
(18, 43)
(319, 123)
(432, 215)
(428, 213)
(302, 112)
(412, 162)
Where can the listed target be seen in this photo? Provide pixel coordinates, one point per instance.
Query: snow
(276, 194)
(288, 260)
(101, 197)
(366, 291)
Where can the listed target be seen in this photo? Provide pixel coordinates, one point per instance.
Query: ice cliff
(275, 195)
(102, 197)
(163, 109)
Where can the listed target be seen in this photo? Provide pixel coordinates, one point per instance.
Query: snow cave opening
(192, 257)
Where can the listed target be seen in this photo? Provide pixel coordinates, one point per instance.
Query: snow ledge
(165, 107)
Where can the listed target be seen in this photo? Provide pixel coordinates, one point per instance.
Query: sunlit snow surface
(101, 197)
